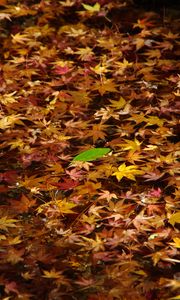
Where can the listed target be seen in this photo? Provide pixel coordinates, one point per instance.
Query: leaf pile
(89, 151)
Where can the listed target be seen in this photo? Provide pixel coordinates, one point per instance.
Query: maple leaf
(81, 87)
(18, 143)
(153, 209)
(2, 237)
(96, 245)
(7, 99)
(97, 132)
(143, 23)
(169, 159)
(174, 218)
(105, 170)
(14, 256)
(118, 104)
(127, 171)
(5, 16)
(10, 121)
(68, 184)
(61, 70)
(65, 207)
(82, 164)
(6, 223)
(155, 192)
(85, 282)
(95, 210)
(137, 118)
(89, 188)
(176, 242)
(154, 120)
(153, 176)
(106, 113)
(19, 38)
(56, 168)
(131, 145)
(139, 42)
(20, 10)
(52, 274)
(92, 9)
(85, 54)
(170, 35)
(74, 30)
(132, 157)
(157, 256)
(14, 241)
(100, 69)
(141, 220)
(75, 174)
(33, 181)
(105, 194)
(105, 85)
(67, 3)
(153, 53)
(122, 66)
(23, 204)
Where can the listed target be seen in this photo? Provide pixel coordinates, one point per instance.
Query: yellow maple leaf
(100, 69)
(154, 120)
(96, 244)
(33, 182)
(5, 223)
(139, 42)
(118, 104)
(156, 257)
(89, 188)
(123, 66)
(65, 207)
(8, 98)
(55, 168)
(131, 145)
(137, 118)
(176, 242)
(14, 240)
(106, 85)
(153, 53)
(2, 237)
(175, 218)
(95, 8)
(85, 53)
(52, 274)
(17, 143)
(127, 171)
(19, 38)
(177, 93)
(171, 35)
(9, 121)
(67, 3)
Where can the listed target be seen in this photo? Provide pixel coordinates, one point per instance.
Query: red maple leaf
(67, 184)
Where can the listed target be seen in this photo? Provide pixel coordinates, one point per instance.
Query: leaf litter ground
(77, 75)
